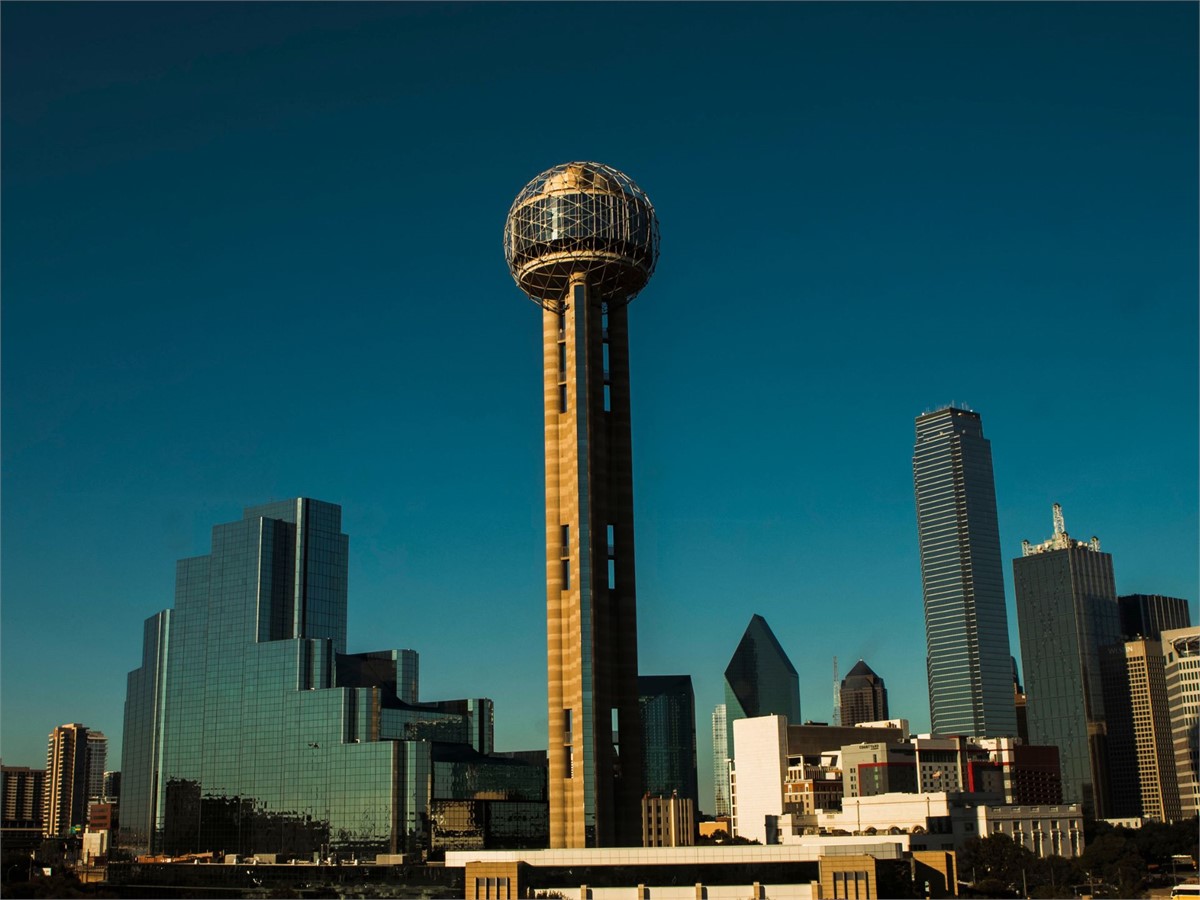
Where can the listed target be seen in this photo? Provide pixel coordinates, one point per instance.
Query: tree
(1114, 858)
(1157, 842)
(1053, 876)
(995, 858)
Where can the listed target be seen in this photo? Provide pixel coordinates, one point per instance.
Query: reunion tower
(582, 240)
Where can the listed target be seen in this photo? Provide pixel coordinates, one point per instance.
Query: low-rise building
(780, 768)
(1049, 830)
(947, 820)
(807, 869)
(668, 821)
(1030, 773)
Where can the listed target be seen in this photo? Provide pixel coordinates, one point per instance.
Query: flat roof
(807, 851)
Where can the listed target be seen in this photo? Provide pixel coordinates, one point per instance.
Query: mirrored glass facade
(966, 621)
(248, 727)
(668, 705)
(760, 680)
(720, 744)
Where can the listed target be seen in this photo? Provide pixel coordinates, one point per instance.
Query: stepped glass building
(581, 240)
(966, 623)
(250, 729)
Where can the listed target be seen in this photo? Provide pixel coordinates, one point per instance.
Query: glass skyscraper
(760, 680)
(1067, 614)
(249, 729)
(966, 622)
(720, 738)
(668, 705)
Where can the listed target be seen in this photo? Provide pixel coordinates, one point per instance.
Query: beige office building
(581, 240)
(64, 803)
(1181, 664)
(1152, 731)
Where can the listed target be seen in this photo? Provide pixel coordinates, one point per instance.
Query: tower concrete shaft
(591, 616)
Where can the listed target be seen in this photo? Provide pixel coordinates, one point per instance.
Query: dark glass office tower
(760, 680)
(668, 706)
(864, 696)
(1067, 614)
(966, 623)
(249, 729)
(1149, 615)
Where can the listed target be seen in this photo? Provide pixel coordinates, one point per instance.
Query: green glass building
(249, 729)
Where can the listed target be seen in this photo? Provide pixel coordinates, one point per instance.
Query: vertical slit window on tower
(566, 564)
(567, 740)
(612, 573)
(562, 398)
(607, 398)
(562, 360)
(612, 542)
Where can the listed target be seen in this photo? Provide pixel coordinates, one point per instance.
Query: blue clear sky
(253, 251)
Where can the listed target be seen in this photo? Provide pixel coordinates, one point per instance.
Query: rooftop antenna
(837, 695)
(1059, 527)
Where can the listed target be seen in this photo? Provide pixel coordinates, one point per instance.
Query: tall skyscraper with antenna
(1068, 614)
(966, 622)
(581, 240)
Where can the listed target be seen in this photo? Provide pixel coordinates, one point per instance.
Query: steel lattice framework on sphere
(581, 219)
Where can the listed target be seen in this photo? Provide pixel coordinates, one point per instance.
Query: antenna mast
(837, 695)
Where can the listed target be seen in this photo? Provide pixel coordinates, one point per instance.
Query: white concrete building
(757, 781)
(947, 820)
(1043, 830)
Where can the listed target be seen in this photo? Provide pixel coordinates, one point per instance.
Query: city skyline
(207, 206)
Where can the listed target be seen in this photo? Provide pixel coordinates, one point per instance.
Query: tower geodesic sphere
(581, 219)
